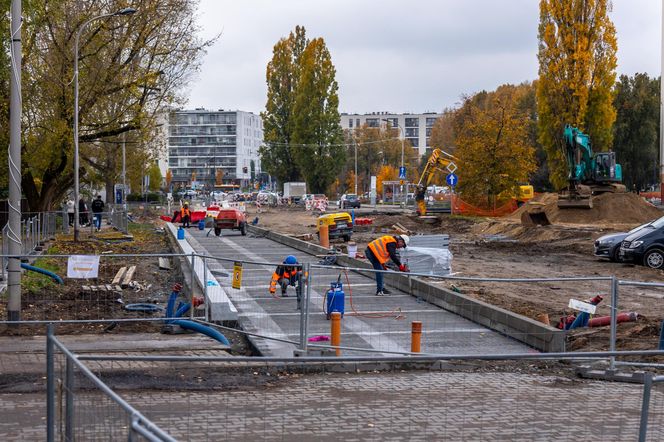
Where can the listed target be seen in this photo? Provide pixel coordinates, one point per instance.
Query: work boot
(284, 294)
(386, 291)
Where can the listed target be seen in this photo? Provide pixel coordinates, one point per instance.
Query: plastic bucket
(201, 225)
(352, 249)
(180, 233)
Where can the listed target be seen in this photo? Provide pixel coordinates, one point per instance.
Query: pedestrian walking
(380, 251)
(82, 212)
(98, 210)
(71, 209)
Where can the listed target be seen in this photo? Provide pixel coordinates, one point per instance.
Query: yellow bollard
(415, 336)
(336, 331)
(324, 236)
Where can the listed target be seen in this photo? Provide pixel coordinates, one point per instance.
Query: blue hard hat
(290, 259)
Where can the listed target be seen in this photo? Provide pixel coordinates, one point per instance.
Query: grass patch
(34, 282)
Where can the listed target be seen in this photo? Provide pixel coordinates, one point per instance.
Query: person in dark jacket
(288, 274)
(82, 212)
(97, 210)
(382, 250)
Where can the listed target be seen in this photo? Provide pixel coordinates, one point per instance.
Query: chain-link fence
(81, 407)
(482, 397)
(297, 315)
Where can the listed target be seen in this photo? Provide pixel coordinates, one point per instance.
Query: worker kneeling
(380, 251)
(288, 274)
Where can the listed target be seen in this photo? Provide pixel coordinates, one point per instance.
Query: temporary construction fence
(87, 409)
(481, 397)
(451, 323)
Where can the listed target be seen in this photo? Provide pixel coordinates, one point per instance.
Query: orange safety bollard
(336, 331)
(415, 336)
(324, 236)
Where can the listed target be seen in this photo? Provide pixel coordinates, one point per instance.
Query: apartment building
(416, 128)
(204, 144)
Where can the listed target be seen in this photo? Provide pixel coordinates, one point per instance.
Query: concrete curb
(533, 333)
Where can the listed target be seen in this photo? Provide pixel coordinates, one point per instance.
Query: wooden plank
(164, 264)
(119, 275)
(117, 288)
(128, 276)
(109, 287)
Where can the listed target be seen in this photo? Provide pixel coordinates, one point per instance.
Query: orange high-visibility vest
(379, 248)
(185, 212)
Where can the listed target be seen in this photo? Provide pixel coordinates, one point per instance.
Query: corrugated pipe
(48, 273)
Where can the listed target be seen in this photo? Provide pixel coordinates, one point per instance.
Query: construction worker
(288, 274)
(185, 215)
(380, 251)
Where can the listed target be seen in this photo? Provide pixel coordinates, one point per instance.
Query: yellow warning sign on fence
(237, 275)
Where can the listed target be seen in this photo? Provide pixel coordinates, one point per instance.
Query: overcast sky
(399, 56)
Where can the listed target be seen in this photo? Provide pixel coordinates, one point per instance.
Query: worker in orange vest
(380, 251)
(185, 215)
(288, 274)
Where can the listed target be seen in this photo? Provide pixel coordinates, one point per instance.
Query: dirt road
(503, 248)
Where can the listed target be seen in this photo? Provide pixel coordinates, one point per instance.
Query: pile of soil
(608, 208)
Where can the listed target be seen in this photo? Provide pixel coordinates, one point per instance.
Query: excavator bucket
(535, 215)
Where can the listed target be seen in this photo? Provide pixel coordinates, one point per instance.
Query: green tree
(130, 69)
(577, 62)
(316, 124)
(492, 142)
(283, 75)
(636, 139)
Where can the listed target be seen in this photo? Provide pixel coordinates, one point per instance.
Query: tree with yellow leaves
(386, 173)
(492, 143)
(577, 62)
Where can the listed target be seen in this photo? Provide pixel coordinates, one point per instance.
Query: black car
(608, 246)
(349, 201)
(645, 246)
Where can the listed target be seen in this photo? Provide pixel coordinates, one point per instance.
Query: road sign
(451, 167)
(582, 306)
(402, 173)
(452, 180)
(237, 275)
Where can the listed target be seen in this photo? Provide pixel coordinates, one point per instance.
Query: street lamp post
(125, 11)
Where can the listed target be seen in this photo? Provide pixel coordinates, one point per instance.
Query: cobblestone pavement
(431, 405)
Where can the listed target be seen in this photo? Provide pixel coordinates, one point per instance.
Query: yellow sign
(237, 275)
(401, 182)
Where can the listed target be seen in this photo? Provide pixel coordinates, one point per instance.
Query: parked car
(608, 246)
(348, 201)
(230, 219)
(645, 246)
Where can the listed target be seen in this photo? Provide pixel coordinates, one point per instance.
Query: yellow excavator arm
(438, 160)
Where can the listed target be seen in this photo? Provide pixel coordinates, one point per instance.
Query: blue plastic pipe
(200, 328)
(52, 275)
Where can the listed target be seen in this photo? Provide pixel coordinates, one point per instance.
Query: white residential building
(416, 128)
(203, 142)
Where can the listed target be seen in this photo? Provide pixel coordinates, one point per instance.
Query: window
(431, 121)
(414, 141)
(373, 122)
(350, 123)
(357, 122)
(412, 122)
(428, 131)
(393, 122)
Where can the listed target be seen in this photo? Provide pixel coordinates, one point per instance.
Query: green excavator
(589, 173)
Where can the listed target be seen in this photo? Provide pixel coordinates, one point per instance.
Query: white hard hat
(405, 239)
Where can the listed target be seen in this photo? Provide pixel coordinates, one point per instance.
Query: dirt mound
(614, 208)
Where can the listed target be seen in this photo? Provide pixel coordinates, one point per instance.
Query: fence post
(304, 305)
(614, 324)
(645, 406)
(50, 385)
(193, 284)
(69, 401)
(303, 336)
